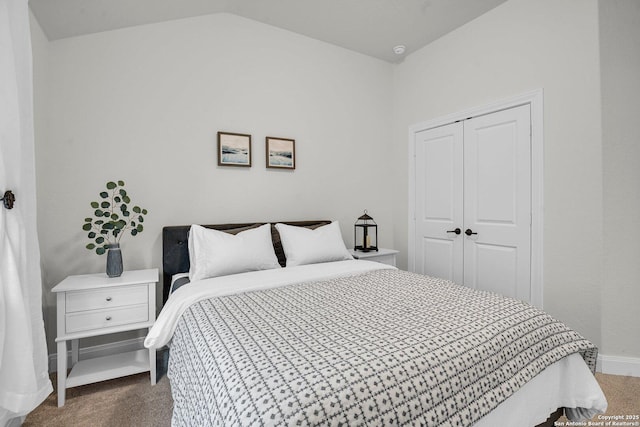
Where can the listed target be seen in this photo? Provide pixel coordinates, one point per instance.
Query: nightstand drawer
(98, 319)
(92, 299)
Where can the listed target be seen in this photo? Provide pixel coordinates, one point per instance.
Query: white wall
(620, 59)
(144, 104)
(519, 46)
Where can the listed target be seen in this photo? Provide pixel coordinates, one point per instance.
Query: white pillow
(305, 246)
(215, 253)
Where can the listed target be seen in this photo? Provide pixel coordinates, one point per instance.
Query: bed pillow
(305, 246)
(215, 253)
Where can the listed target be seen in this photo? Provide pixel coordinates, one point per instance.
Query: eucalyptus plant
(112, 218)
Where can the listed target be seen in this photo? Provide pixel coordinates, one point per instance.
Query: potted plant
(112, 218)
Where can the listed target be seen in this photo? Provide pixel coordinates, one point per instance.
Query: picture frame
(234, 149)
(280, 153)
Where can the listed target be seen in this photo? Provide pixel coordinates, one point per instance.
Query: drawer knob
(108, 317)
(108, 298)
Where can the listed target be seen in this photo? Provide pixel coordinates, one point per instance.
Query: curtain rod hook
(8, 199)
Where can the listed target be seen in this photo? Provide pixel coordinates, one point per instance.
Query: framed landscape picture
(281, 153)
(234, 149)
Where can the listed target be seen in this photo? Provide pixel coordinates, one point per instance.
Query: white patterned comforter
(379, 347)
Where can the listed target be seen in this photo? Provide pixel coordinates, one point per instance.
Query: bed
(349, 342)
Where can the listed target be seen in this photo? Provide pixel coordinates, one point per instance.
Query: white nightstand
(384, 256)
(94, 304)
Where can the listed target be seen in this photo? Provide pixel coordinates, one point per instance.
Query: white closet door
(497, 202)
(438, 210)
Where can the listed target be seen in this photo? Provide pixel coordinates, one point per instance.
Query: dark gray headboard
(175, 251)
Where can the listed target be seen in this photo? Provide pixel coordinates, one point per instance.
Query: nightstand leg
(62, 372)
(75, 351)
(152, 365)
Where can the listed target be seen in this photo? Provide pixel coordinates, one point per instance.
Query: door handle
(468, 232)
(8, 199)
(457, 231)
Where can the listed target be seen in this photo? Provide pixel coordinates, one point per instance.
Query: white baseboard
(618, 365)
(99, 351)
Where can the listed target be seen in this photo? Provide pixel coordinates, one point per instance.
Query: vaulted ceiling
(371, 27)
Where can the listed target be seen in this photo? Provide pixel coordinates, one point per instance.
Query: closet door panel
(495, 268)
(497, 202)
(439, 259)
(492, 173)
(438, 251)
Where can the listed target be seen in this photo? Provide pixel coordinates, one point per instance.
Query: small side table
(383, 255)
(94, 304)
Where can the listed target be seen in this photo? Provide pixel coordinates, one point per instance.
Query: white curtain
(24, 379)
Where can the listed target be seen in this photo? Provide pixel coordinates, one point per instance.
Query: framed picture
(234, 149)
(281, 153)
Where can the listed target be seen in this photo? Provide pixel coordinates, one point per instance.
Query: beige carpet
(127, 401)
(132, 401)
(623, 395)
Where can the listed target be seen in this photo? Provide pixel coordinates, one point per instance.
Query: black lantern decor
(365, 234)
